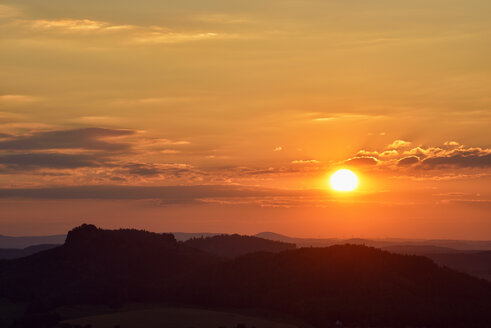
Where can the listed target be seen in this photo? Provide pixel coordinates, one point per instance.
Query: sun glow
(344, 180)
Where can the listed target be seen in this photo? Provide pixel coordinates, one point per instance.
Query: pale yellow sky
(271, 96)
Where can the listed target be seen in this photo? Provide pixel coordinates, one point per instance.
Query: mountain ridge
(357, 284)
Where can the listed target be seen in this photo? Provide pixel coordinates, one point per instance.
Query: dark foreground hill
(358, 285)
(236, 245)
(108, 266)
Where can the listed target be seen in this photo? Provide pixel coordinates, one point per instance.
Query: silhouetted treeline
(235, 245)
(358, 285)
(355, 284)
(104, 266)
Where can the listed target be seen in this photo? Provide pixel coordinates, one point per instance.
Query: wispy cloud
(9, 11)
(16, 98)
(347, 116)
(305, 161)
(222, 19)
(123, 34)
(77, 25)
(11, 163)
(88, 138)
(163, 37)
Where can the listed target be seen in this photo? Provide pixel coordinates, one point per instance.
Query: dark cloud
(152, 169)
(34, 161)
(360, 161)
(408, 160)
(87, 138)
(142, 169)
(472, 159)
(469, 202)
(166, 194)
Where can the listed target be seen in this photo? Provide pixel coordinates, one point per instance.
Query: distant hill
(300, 242)
(26, 241)
(475, 263)
(471, 245)
(323, 242)
(358, 285)
(235, 245)
(273, 236)
(13, 253)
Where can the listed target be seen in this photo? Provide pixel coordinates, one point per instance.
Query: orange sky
(230, 116)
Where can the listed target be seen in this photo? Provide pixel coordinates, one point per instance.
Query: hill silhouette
(236, 245)
(106, 266)
(422, 250)
(354, 284)
(476, 263)
(463, 245)
(13, 253)
(26, 241)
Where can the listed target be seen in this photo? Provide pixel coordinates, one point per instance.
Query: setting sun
(344, 180)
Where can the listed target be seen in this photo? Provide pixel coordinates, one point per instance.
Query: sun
(344, 180)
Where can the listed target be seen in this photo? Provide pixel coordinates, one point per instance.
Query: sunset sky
(230, 116)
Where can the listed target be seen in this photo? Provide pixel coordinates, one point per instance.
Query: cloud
(162, 37)
(449, 156)
(170, 151)
(410, 160)
(348, 116)
(361, 161)
(294, 167)
(14, 98)
(92, 155)
(470, 202)
(170, 142)
(189, 194)
(140, 192)
(77, 25)
(389, 153)
(460, 158)
(307, 161)
(34, 161)
(399, 144)
(222, 19)
(9, 11)
(176, 195)
(152, 169)
(124, 34)
(87, 138)
(136, 34)
(279, 148)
